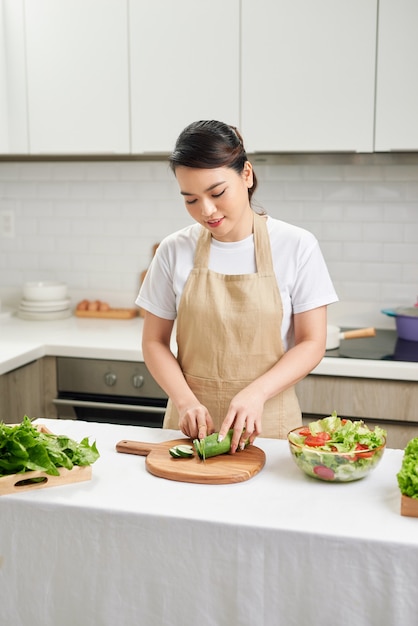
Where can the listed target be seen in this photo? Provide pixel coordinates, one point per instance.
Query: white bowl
(45, 290)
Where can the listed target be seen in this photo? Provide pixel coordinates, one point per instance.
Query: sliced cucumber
(185, 451)
(181, 452)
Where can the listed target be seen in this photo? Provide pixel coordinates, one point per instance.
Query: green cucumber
(210, 446)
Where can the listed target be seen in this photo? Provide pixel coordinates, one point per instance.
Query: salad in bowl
(337, 449)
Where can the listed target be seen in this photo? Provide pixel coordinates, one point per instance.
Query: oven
(116, 392)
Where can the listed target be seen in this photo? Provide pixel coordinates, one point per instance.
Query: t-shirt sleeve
(157, 294)
(313, 286)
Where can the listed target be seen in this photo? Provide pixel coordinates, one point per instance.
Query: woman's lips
(215, 223)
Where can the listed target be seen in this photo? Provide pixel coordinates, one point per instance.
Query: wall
(93, 224)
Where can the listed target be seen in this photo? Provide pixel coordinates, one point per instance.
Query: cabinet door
(397, 76)
(77, 64)
(184, 67)
(29, 390)
(13, 101)
(308, 75)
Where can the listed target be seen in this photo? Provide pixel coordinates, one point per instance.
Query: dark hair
(208, 144)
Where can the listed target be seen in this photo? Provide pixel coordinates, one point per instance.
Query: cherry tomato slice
(317, 440)
(367, 454)
(304, 432)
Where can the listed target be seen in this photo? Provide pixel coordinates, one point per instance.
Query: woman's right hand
(195, 422)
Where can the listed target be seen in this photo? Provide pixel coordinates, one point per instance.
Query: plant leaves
(24, 448)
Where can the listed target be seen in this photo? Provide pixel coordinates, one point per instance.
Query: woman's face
(218, 199)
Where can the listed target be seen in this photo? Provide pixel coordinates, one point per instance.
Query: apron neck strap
(262, 247)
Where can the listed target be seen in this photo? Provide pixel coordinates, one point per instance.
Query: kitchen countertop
(24, 341)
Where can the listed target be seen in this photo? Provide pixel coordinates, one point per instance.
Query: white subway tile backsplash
(341, 231)
(400, 172)
(93, 224)
(362, 251)
(384, 191)
(412, 191)
(302, 191)
(51, 190)
(400, 252)
(342, 191)
(355, 290)
(363, 212)
(387, 231)
(18, 190)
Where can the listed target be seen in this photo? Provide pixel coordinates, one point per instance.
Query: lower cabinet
(387, 403)
(29, 390)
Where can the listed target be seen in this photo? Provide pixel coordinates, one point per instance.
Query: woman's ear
(247, 174)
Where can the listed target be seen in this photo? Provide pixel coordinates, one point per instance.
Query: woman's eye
(218, 195)
(190, 201)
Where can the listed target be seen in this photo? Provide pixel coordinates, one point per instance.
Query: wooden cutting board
(118, 314)
(218, 470)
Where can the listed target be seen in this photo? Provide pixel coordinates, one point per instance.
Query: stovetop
(384, 346)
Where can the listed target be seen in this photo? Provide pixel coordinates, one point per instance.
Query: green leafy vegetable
(24, 448)
(408, 474)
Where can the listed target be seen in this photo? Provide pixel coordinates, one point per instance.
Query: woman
(249, 294)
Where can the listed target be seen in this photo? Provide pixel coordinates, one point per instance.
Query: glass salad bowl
(336, 450)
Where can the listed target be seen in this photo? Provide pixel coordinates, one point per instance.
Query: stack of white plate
(46, 300)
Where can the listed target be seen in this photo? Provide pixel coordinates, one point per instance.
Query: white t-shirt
(301, 272)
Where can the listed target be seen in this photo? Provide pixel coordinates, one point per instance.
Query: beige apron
(229, 333)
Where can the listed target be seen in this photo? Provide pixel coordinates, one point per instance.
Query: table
(129, 548)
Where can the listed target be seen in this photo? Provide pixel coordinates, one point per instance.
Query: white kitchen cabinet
(13, 101)
(397, 76)
(77, 76)
(184, 67)
(308, 74)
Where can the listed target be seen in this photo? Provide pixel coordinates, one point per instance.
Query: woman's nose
(208, 207)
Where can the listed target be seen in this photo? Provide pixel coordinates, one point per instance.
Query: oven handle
(111, 405)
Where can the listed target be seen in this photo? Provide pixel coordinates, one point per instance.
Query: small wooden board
(219, 470)
(120, 314)
(15, 483)
(409, 506)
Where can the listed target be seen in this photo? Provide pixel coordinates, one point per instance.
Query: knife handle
(135, 447)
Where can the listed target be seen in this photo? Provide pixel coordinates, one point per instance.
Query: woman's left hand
(244, 416)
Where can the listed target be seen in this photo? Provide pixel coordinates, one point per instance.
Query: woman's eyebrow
(187, 193)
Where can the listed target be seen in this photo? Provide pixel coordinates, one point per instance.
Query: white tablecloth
(128, 548)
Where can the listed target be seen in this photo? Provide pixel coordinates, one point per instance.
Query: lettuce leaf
(344, 434)
(23, 448)
(408, 474)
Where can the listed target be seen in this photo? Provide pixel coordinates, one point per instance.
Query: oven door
(116, 392)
